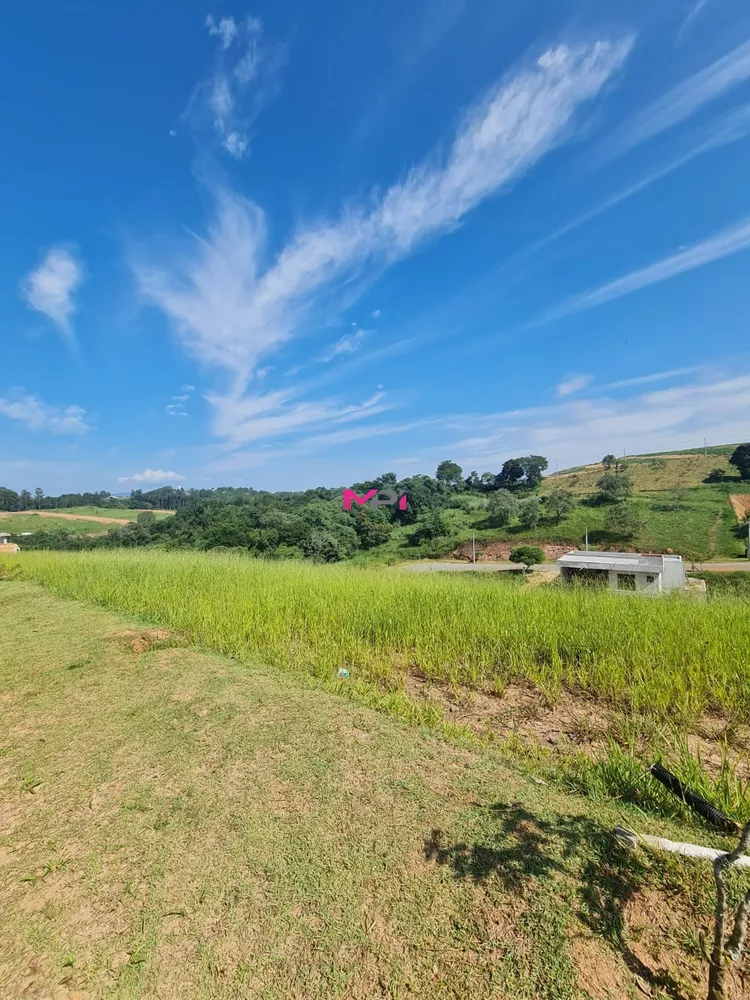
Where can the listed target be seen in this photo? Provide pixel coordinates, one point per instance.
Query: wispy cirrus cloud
(571, 432)
(152, 476)
(39, 416)
(244, 78)
(347, 344)
(573, 383)
(694, 11)
(680, 103)
(250, 418)
(729, 241)
(626, 383)
(230, 309)
(50, 288)
(733, 126)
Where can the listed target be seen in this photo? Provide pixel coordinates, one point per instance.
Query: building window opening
(626, 581)
(650, 578)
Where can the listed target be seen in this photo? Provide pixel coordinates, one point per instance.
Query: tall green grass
(670, 658)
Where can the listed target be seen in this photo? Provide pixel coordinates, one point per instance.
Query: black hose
(703, 808)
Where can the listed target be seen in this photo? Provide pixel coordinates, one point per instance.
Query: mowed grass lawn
(176, 825)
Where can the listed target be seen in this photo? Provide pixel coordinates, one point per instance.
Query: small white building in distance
(5, 543)
(626, 571)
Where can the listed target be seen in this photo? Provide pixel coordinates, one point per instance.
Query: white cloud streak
(725, 243)
(151, 476)
(229, 310)
(244, 78)
(226, 29)
(580, 431)
(347, 344)
(626, 383)
(728, 128)
(252, 418)
(681, 102)
(50, 288)
(38, 416)
(573, 383)
(696, 8)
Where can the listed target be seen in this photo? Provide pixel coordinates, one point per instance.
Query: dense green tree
(432, 524)
(528, 555)
(511, 475)
(473, 482)
(25, 498)
(450, 474)
(622, 520)
(530, 512)
(525, 472)
(609, 461)
(740, 459)
(9, 499)
(559, 503)
(613, 487)
(716, 475)
(501, 508)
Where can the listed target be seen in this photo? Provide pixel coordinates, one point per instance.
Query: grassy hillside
(16, 523)
(120, 512)
(179, 824)
(677, 508)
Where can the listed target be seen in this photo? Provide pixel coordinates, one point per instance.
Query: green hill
(677, 509)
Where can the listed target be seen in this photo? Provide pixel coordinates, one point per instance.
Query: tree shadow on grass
(606, 874)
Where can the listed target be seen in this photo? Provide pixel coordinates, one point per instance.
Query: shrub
(613, 487)
(622, 520)
(530, 512)
(501, 508)
(528, 555)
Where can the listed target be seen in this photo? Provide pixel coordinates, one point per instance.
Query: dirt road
(71, 517)
(738, 565)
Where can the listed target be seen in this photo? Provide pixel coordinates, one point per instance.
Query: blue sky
(282, 246)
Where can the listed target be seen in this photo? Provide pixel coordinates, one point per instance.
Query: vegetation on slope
(677, 502)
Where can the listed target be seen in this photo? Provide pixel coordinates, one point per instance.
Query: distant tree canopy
(740, 459)
(309, 523)
(559, 503)
(451, 474)
(501, 508)
(715, 476)
(613, 486)
(622, 520)
(609, 461)
(519, 473)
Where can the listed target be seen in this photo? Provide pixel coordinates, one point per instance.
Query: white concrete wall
(674, 573)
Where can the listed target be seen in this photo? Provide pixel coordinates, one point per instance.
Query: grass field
(176, 825)
(16, 523)
(120, 512)
(671, 658)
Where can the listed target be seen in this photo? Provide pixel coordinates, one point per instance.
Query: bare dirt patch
(144, 640)
(661, 934)
(740, 505)
(573, 720)
(69, 517)
(500, 551)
